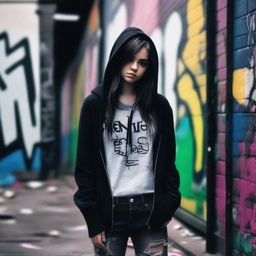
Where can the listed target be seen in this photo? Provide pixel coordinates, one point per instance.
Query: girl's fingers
(98, 240)
(103, 237)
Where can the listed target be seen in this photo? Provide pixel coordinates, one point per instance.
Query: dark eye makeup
(143, 63)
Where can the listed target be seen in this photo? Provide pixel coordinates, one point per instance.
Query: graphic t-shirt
(129, 167)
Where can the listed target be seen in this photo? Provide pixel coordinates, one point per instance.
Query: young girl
(125, 169)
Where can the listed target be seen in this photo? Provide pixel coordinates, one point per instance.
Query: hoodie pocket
(164, 209)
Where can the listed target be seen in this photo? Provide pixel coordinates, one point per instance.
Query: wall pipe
(229, 129)
(211, 124)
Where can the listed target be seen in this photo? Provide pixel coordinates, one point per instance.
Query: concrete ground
(40, 219)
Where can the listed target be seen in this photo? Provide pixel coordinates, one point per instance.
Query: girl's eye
(144, 63)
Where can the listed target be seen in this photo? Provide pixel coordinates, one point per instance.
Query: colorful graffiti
(80, 80)
(19, 95)
(178, 28)
(244, 127)
(191, 98)
(182, 78)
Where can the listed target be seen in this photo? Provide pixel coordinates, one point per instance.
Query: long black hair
(144, 88)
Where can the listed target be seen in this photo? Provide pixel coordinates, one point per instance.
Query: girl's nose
(134, 65)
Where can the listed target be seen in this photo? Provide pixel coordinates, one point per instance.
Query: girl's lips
(131, 75)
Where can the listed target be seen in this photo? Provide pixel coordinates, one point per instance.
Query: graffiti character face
(135, 68)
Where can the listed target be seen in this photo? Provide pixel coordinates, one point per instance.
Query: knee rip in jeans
(155, 248)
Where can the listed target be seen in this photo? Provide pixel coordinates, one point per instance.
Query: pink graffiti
(253, 243)
(221, 123)
(245, 187)
(246, 212)
(221, 61)
(222, 74)
(222, 87)
(221, 37)
(220, 182)
(222, 151)
(221, 209)
(222, 19)
(221, 167)
(247, 160)
(221, 4)
(253, 149)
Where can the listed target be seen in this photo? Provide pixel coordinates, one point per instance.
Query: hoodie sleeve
(172, 178)
(85, 173)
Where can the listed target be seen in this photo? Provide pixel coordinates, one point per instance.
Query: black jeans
(130, 217)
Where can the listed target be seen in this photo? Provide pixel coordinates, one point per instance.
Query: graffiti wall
(191, 110)
(81, 78)
(19, 90)
(178, 30)
(244, 127)
(221, 65)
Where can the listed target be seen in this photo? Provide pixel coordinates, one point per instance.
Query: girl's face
(136, 67)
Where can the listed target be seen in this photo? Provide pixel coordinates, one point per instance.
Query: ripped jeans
(130, 217)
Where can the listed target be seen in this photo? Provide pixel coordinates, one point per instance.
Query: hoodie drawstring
(129, 132)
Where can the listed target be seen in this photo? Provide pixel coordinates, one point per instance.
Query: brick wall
(244, 127)
(221, 66)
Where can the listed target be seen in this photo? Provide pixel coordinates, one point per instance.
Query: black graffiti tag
(18, 101)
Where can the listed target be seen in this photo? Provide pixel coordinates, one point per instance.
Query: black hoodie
(127, 34)
(94, 197)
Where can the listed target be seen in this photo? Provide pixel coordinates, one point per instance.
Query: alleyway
(40, 219)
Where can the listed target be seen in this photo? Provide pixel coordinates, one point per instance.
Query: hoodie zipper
(154, 184)
(112, 199)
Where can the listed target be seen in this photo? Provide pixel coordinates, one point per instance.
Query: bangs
(132, 47)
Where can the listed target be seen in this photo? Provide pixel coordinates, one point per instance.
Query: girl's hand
(99, 240)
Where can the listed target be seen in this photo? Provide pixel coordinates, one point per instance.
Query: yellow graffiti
(191, 205)
(195, 50)
(239, 84)
(192, 91)
(196, 13)
(78, 95)
(188, 204)
(194, 3)
(190, 96)
(180, 67)
(195, 18)
(205, 210)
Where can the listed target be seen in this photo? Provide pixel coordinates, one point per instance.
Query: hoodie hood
(113, 62)
(126, 35)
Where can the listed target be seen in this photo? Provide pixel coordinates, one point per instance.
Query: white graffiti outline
(17, 96)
